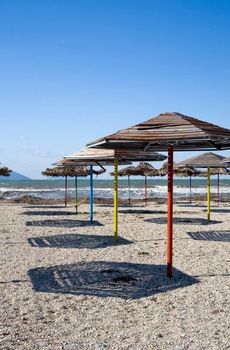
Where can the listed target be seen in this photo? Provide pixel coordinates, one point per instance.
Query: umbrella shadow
(44, 206)
(108, 279)
(215, 236)
(48, 213)
(177, 220)
(190, 205)
(142, 211)
(220, 210)
(76, 241)
(63, 223)
(120, 205)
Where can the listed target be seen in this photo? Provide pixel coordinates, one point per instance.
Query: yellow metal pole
(209, 195)
(115, 200)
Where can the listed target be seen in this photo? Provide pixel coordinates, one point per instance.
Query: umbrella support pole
(209, 196)
(76, 195)
(129, 189)
(91, 194)
(190, 191)
(218, 188)
(170, 212)
(66, 195)
(146, 194)
(115, 200)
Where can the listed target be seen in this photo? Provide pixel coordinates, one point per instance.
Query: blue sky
(72, 71)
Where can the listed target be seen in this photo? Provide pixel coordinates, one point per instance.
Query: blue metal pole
(91, 194)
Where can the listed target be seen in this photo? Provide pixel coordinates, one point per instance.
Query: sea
(157, 188)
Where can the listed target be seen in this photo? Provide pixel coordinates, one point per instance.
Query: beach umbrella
(71, 171)
(4, 171)
(128, 171)
(146, 169)
(90, 171)
(171, 131)
(142, 169)
(218, 172)
(108, 157)
(206, 160)
(181, 172)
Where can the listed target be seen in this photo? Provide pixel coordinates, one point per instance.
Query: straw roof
(216, 171)
(109, 155)
(70, 171)
(4, 171)
(226, 160)
(181, 131)
(142, 169)
(146, 169)
(205, 160)
(181, 172)
(128, 171)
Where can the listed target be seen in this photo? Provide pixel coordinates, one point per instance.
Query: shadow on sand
(63, 223)
(220, 210)
(142, 211)
(111, 205)
(107, 279)
(191, 205)
(48, 213)
(176, 220)
(76, 241)
(44, 206)
(216, 236)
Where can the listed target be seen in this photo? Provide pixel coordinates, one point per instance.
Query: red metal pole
(170, 212)
(66, 191)
(146, 196)
(218, 188)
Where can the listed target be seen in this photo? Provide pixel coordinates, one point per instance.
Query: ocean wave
(158, 191)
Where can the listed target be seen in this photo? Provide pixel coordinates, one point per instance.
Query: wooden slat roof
(205, 160)
(155, 134)
(108, 155)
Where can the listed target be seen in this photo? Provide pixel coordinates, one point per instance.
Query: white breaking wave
(159, 191)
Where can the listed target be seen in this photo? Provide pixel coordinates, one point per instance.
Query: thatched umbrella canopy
(146, 169)
(216, 171)
(71, 171)
(170, 131)
(128, 171)
(226, 161)
(4, 171)
(179, 171)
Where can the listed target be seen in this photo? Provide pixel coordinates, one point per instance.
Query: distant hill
(14, 176)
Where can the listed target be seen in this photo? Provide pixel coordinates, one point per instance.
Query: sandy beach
(65, 285)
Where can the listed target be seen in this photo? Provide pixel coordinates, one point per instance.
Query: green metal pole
(129, 188)
(76, 195)
(209, 196)
(66, 194)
